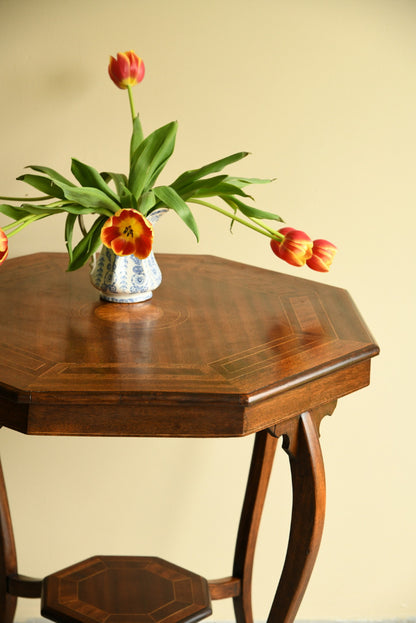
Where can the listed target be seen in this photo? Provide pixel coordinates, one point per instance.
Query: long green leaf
(146, 202)
(241, 182)
(120, 180)
(150, 158)
(88, 176)
(69, 228)
(44, 184)
(198, 186)
(49, 210)
(136, 137)
(54, 175)
(214, 167)
(170, 198)
(90, 198)
(249, 211)
(14, 212)
(127, 199)
(220, 188)
(87, 246)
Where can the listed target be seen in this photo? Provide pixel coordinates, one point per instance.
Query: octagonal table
(222, 350)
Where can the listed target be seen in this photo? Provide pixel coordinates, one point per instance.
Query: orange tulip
(4, 246)
(323, 253)
(128, 233)
(126, 70)
(295, 248)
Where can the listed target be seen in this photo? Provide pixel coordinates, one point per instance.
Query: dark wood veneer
(219, 344)
(223, 349)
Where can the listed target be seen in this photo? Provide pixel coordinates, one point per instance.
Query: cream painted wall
(323, 93)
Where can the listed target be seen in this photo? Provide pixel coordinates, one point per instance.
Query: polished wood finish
(8, 561)
(224, 588)
(113, 589)
(258, 480)
(24, 586)
(308, 512)
(222, 349)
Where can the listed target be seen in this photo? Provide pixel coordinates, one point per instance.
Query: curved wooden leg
(8, 564)
(258, 479)
(308, 512)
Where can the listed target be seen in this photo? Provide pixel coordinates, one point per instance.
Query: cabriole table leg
(308, 512)
(8, 563)
(258, 480)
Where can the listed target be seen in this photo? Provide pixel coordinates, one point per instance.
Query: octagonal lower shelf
(125, 589)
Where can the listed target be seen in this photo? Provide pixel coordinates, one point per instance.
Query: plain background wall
(323, 94)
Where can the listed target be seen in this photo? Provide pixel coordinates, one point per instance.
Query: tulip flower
(295, 247)
(126, 70)
(128, 233)
(4, 246)
(323, 253)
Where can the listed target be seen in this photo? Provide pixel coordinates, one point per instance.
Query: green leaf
(136, 137)
(45, 210)
(171, 199)
(197, 187)
(14, 212)
(217, 187)
(44, 184)
(94, 199)
(87, 176)
(119, 179)
(87, 246)
(127, 200)
(249, 211)
(91, 198)
(146, 202)
(150, 158)
(69, 228)
(49, 210)
(54, 175)
(241, 182)
(214, 167)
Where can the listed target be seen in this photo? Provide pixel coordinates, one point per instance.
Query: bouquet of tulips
(122, 202)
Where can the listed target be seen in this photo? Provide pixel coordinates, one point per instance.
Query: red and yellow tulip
(323, 253)
(128, 233)
(4, 246)
(126, 70)
(295, 247)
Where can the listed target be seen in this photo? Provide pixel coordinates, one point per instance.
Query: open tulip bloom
(122, 203)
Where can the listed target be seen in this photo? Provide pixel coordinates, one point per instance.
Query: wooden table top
(222, 349)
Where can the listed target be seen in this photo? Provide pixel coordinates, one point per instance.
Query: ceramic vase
(126, 279)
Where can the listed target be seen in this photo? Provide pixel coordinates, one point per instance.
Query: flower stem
(82, 225)
(133, 112)
(266, 227)
(259, 228)
(24, 199)
(22, 224)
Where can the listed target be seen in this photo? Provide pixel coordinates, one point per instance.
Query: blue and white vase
(126, 279)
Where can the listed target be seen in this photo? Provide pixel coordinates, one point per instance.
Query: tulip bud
(295, 248)
(126, 70)
(4, 246)
(323, 253)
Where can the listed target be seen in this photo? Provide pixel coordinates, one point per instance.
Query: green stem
(265, 231)
(24, 199)
(266, 227)
(81, 225)
(133, 112)
(23, 223)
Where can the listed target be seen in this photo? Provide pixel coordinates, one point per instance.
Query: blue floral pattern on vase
(126, 279)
